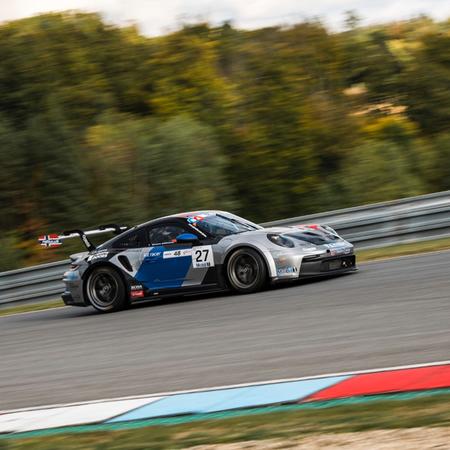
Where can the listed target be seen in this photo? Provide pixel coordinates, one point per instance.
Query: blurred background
(105, 120)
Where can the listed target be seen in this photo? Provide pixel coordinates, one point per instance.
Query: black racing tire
(105, 290)
(246, 271)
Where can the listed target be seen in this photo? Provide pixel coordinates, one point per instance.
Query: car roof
(175, 217)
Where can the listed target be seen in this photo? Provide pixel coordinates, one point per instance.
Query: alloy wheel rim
(244, 271)
(103, 289)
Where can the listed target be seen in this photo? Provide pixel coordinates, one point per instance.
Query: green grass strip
(6, 311)
(412, 248)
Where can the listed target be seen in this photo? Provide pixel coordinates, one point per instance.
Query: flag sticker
(50, 240)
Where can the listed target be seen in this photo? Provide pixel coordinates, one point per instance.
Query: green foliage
(98, 123)
(382, 171)
(426, 82)
(152, 167)
(11, 253)
(439, 175)
(11, 171)
(56, 183)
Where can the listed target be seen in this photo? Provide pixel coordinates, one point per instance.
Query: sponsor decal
(85, 241)
(202, 257)
(288, 270)
(137, 291)
(99, 255)
(137, 294)
(177, 253)
(154, 254)
(50, 240)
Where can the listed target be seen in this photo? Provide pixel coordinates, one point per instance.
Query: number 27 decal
(202, 257)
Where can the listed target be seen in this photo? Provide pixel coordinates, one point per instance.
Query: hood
(314, 238)
(312, 234)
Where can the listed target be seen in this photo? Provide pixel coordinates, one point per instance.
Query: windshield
(218, 225)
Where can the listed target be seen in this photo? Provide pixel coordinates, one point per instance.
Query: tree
(143, 168)
(53, 182)
(378, 171)
(425, 83)
(11, 172)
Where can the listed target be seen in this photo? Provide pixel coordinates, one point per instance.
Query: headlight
(280, 240)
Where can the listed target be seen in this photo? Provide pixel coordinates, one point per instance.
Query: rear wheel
(105, 290)
(246, 271)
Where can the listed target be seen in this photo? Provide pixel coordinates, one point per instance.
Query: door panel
(170, 265)
(165, 266)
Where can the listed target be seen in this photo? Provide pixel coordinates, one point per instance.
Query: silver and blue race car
(195, 252)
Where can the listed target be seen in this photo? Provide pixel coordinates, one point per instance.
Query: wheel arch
(268, 260)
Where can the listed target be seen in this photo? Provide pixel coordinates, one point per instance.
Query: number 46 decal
(202, 257)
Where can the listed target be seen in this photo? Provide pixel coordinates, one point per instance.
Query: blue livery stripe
(157, 272)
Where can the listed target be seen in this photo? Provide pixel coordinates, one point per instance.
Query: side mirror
(186, 238)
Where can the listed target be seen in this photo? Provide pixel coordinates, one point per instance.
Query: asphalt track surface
(390, 313)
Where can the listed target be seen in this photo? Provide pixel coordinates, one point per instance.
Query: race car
(195, 252)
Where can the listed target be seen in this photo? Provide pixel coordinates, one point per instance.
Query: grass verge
(31, 307)
(403, 249)
(425, 411)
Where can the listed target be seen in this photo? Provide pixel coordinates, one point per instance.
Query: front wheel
(246, 271)
(105, 290)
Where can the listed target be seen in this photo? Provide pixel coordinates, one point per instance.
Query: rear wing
(54, 240)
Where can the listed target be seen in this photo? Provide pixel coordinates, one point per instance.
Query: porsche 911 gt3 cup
(195, 252)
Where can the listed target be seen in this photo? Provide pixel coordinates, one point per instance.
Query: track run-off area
(390, 313)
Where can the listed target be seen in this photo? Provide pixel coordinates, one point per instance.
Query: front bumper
(334, 265)
(70, 300)
(73, 294)
(294, 267)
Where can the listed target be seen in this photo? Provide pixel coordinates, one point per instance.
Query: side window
(131, 240)
(164, 233)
